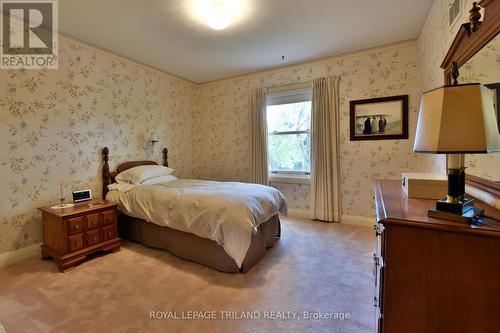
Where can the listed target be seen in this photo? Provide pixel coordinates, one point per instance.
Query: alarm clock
(84, 195)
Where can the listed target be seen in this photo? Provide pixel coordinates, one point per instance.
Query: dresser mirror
(474, 56)
(484, 67)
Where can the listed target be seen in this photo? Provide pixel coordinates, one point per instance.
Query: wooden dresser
(71, 234)
(434, 275)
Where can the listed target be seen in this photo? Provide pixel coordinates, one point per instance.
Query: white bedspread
(226, 212)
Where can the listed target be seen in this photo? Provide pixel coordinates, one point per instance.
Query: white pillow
(138, 174)
(125, 187)
(121, 187)
(159, 180)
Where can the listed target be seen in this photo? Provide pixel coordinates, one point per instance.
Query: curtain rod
(289, 86)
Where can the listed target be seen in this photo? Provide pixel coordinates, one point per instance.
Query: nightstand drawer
(92, 237)
(75, 242)
(108, 217)
(92, 221)
(108, 232)
(75, 225)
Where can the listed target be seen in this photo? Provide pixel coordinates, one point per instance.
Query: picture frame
(383, 118)
(495, 89)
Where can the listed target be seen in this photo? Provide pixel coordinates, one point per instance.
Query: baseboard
(12, 257)
(362, 221)
(300, 213)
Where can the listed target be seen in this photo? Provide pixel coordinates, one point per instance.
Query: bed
(155, 215)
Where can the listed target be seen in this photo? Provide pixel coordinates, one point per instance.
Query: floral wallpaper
(297, 195)
(433, 43)
(484, 66)
(222, 139)
(53, 124)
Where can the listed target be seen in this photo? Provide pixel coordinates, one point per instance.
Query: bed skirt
(201, 250)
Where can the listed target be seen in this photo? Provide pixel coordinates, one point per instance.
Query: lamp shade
(457, 119)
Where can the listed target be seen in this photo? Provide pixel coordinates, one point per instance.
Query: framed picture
(495, 91)
(384, 118)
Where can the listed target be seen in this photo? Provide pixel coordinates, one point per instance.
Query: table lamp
(457, 120)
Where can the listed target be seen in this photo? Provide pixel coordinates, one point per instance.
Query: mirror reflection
(484, 67)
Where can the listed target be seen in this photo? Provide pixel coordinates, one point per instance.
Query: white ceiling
(164, 33)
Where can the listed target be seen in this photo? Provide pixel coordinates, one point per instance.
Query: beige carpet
(314, 267)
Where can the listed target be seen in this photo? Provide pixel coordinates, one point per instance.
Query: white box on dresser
(424, 185)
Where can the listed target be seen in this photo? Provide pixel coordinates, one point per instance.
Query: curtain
(325, 165)
(260, 173)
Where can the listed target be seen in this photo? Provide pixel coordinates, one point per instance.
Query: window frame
(283, 97)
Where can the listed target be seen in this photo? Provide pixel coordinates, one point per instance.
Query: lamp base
(466, 217)
(462, 205)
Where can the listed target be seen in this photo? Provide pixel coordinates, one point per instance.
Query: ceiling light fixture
(218, 14)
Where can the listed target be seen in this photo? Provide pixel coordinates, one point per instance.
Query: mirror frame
(471, 38)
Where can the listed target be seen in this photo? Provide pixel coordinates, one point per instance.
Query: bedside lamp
(457, 120)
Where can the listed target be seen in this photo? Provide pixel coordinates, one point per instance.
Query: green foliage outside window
(289, 137)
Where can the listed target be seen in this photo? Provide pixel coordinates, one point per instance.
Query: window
(289, 130)
(454, 12)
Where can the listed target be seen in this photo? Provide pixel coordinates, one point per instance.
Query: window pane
(289, 152)
(289, 117)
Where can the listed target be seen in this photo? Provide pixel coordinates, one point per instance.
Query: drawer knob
(77, 226)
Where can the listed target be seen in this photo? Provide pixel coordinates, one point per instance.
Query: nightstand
(71, 234)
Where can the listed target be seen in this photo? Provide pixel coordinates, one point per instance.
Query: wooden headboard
(108, 177)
